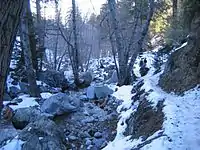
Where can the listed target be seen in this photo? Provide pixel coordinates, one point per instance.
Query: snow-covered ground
(181, 127)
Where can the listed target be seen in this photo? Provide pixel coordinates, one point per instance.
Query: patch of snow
(125, 109)
(46, 95)
(68, 74)
(14, 144)
(181, 127)
(9, 83)
(40, 138)
(183, 45)
(27, 101)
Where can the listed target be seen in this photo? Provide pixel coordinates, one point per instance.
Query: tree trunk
(32, 38)
(34, 91)
(40, 32)
(75, 50)
(145, 28)
(120, 47)
(125, 69)
(10, 13)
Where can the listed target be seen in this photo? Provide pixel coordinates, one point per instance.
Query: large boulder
(23, 116)
(42, 134)
(182, 71)
(52, 78)
(102, 91)
(98, 91)
(86, 79)
(59, 104)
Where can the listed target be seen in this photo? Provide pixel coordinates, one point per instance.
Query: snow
(45, 95)
(68, 74)
(14, 144)
(183, 45)
(125, 109)
(181, 127)
(27, 101)
(9, 83)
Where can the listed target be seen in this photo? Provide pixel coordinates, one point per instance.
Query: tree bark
(125, 68)
(32, 38)
(119, 45)
(10, 13)
(33, 89)
(40, 32)
(75, 50)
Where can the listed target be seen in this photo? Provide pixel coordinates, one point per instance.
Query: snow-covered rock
(59, 104)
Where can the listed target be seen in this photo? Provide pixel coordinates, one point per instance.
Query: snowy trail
(182, 117)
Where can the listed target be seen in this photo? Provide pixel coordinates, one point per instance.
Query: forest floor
(181, 126)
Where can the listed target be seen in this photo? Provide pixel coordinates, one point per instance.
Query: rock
(42, 134)
(86, 79)
(90, 92)
(143, 71)
(98, 91)
(98, 142)
(14, 91)
(88, 142)
(102, 91)
(83, 98)
(14, 82)
(23, 116)
(114, 78)
(98, 135)
(72, 138)
(43, 89)
(6, 97)
(52, 78)
(7, 134)
(59, 104)
(24, 87)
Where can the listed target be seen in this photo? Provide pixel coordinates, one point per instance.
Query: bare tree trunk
(145, 28)
(10, 13)
(113, 48)
(125, 69)
(120, 47)
(57, 34)
(34, 91)
(75, 50)
(40, 32)
(32, 38)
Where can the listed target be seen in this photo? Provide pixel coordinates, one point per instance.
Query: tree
(40, 32)
(25, 40)
(130, 47)
(75, 57)
(10, 17)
